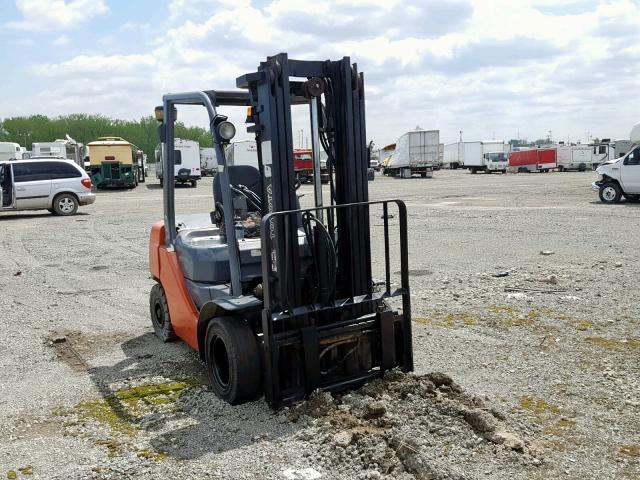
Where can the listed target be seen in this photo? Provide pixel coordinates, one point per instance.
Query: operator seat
(246, 175)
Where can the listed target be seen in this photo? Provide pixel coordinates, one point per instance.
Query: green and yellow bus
(114, 162)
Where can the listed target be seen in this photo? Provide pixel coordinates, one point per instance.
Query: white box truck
(186, 162)
(416, 152)
(208, 162)
(574, 157)
(620, 177)
(486, 156)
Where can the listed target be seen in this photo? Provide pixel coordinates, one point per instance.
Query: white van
(620, 177)
(187, 162)
(59, 186)
(10, 151)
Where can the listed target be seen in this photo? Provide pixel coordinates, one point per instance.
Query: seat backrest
(240, 175)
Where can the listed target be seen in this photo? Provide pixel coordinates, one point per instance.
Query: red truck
(303, 164)
(534, 160)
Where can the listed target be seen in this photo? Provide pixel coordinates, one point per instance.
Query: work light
(226, 130)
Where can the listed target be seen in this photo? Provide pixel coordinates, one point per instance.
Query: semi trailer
(416, 153)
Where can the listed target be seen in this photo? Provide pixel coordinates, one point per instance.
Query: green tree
(86, 128)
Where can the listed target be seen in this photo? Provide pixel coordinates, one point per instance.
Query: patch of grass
(156, 394)
(119, 410)
(108, 412)
(151, 455)
(632, 450)
(113, 447)
(11, 474)
(561, 427)
(26, 470)
(630, 344)
(584, 325)
(501, 309)
(537, 405)
(449, 320)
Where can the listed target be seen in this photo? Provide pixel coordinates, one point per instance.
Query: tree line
(86, 128)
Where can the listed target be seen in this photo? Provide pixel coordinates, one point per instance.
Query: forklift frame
(353, 325)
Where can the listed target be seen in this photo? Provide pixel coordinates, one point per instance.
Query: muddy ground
(525, 299)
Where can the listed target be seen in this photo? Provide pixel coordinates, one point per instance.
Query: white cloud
(61, 41)
(47, 15)
(483, 67)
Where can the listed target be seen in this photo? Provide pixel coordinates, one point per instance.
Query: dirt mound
(411, 427)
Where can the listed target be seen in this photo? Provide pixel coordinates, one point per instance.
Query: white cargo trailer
(486, 156)
(10, 151)
(416, 152)
(208, 162)
(574, 157)
(243, 152)
(186, 162)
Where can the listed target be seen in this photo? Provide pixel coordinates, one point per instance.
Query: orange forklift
(279, 300)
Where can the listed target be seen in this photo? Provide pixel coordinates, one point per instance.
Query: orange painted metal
(165, 268)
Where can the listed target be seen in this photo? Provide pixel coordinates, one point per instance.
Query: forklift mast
(342, 125)
(323, 326)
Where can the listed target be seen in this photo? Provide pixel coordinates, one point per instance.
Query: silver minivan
(59, 186)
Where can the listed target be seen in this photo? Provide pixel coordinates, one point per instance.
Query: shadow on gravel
(162, 391)
(20, 216)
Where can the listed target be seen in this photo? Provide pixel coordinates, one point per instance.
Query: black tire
(233, 360)
(65, 204)
(194, 183)
(160, 182)
(160, 317)
(582, 167)
(610, 193)
(561, 168)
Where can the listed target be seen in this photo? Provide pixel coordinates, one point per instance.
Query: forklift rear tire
(160, 317)
(233, 360)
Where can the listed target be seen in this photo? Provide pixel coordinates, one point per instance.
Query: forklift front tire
(233, 360)
(160, 317)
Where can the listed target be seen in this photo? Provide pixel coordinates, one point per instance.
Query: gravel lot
(525, 297)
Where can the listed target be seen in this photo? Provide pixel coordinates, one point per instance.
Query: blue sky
(491, 69)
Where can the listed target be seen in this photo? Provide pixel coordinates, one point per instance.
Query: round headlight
(226, 130)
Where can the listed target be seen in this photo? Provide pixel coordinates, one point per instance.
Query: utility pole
(460, 135)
